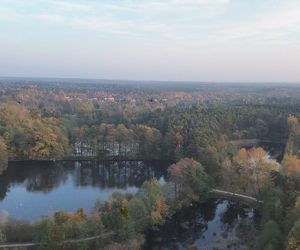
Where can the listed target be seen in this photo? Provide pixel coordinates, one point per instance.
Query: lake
(29, 191)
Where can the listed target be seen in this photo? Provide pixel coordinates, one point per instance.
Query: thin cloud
(276, 24)
(52, 18)
(200, 2)
(196, 39)
(67, 6)
(199, 20)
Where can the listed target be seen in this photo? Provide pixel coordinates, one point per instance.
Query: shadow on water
(28, 191)
(276, 150)
(216, 224)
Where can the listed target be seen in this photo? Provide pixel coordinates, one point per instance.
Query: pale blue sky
(204, 40)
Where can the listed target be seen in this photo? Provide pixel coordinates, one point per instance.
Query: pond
(29, 191)
(215, 224)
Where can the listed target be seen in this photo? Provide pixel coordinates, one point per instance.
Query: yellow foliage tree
(248, 171)
(160, 210)
(291, 164)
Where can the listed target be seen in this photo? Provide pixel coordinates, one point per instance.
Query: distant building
(109, 99)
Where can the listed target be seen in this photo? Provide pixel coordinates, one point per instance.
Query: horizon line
(49, 78)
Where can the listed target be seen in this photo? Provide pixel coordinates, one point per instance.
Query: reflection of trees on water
(194, 221)
(228, 220)
(208, 210)
(116, 174)
(185, 227)
(42, 178)
(45, 177)
(276, 150)
(234, 213)
(4, 188)
(239, 220)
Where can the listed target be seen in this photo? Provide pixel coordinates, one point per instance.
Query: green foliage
(282, 207)
(294, 237)
(44, 128)
(293, 215)
(115, 218)
(50, 234)
(148, 138)
(128, 215)
(3, 156)
(18, 231)
(139, 214)
(270, 237)
(152, 194)
(94, 225)
(190, 179)
(53, 231)
(209, 157)
(2, 236)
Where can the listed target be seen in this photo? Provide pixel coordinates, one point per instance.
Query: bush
(19, 231)
(294, 237)
(270, 237)
(2, 236)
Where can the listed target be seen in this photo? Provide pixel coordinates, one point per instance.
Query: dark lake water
(215, 224)
(29, 191)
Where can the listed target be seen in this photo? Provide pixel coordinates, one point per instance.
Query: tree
(124, 139)
(249, 171)
(293, 123)
(270, 237)
(139, 214)
(30, 136)
(13, 114)
(294, 237)
(44, 140)
(3, 155)
(148, 140)
(172, 145)
(190, 180)
(152, 195)
(292, 215)
(291, 165)
(66, 226)
(209, 157)
(85, 111)
(115, 217)
(2, 236)
(160, 211)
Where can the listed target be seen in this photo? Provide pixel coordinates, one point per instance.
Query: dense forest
(200, 127)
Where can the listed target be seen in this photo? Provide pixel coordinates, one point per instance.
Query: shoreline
(94, 159)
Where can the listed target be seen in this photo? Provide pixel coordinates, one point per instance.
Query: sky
(192, 40)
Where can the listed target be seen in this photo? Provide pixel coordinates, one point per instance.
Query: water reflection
(217, 224)
(29, 191)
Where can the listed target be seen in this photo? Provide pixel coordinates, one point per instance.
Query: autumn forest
(242, 139)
